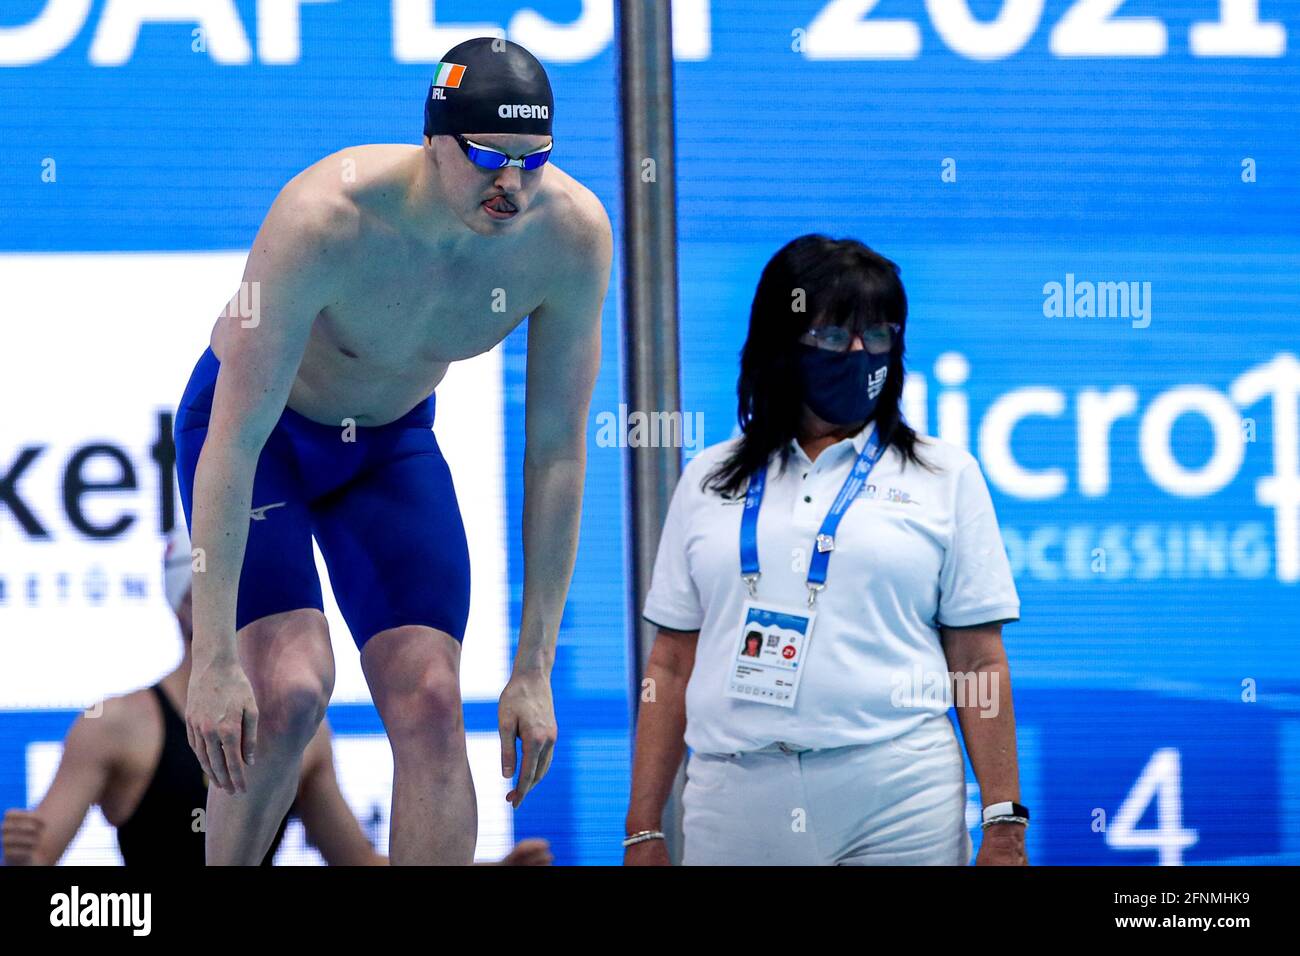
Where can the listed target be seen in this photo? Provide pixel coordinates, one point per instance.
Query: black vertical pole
(650, 349)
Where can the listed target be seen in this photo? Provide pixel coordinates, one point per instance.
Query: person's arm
(563, 361)
(331, 825)
(288, 276)
(660, 741)
(39, 837)
(988, 725)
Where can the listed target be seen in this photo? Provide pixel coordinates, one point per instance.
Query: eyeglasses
(487, 158)
(835, 338)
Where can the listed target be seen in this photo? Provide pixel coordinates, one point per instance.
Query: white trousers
(900, 802)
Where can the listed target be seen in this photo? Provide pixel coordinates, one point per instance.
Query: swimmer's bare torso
(414, 274)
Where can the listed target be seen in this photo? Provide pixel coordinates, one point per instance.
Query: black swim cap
(488, 85)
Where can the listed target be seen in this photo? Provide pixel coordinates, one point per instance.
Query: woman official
(822, 584)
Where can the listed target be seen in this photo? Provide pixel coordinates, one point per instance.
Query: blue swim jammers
(379, 501)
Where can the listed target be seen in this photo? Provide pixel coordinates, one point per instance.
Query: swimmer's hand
(526, 711)
(531, 852)
(221, 723)
(21, 835)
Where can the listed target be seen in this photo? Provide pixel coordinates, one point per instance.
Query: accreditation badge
(771, 647)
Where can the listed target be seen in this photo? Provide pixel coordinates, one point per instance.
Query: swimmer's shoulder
(576, 223)
(110, 729)
(131, 711)
(328, 202)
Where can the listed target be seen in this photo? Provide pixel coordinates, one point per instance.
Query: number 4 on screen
(1162, 780)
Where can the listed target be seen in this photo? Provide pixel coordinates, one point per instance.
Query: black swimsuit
(161, 830)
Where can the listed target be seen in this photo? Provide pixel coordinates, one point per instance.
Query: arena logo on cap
(523, 111)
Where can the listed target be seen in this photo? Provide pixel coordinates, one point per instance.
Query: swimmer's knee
(414, 677)
(428, 706)
(290, 664)
(292, 704)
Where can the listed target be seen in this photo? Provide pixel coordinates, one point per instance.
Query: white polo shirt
(916, 549)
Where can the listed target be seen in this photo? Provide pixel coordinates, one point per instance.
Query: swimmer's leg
(282, 637)
(398, 560)
(414, 677)
(290, 664)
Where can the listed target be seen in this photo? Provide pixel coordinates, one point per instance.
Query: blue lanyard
(821, 558)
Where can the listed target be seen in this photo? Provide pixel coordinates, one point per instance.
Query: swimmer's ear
(431, 147)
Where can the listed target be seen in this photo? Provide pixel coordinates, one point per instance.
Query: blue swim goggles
(486, 158)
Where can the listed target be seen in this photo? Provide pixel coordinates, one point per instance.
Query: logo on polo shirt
(896, 496)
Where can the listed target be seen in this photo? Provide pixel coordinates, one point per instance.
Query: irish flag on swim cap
(448, 74)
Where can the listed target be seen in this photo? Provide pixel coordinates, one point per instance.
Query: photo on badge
(773, 642)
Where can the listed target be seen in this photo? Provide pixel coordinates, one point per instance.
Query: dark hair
(810, 279)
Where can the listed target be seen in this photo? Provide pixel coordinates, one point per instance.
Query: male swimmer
(311, 414)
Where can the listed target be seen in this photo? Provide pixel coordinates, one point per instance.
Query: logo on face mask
(877, 381)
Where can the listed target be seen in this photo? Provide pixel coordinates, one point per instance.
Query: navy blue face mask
(842, 387)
